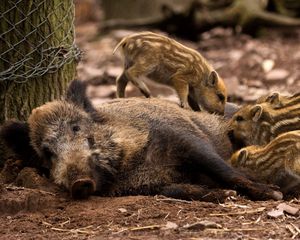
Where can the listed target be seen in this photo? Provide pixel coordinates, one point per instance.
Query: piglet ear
(242, 157)
(273, 98)
(256, 112)
(15, 135)
(76, 94)
(212, 79)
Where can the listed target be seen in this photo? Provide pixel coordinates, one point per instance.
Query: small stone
(277, 75)
(170, 225)
(122, 210)
(268, 65)
(288, 209)
(236, 55)
(202, 225)
(275, 213)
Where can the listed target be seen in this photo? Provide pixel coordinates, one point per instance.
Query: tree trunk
(48, 22)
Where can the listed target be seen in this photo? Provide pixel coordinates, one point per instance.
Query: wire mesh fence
(36, 37)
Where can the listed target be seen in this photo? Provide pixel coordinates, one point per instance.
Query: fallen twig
(15, 188)
(239, 213)
(234, 229)
(292, 230)
(172, 200)
(47, 224)
(64, 223)
(151, 227)
(78, 230)
(297, 230)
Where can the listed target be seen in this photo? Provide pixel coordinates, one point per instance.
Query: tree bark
(19, 96)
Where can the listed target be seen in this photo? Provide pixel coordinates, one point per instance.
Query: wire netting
(36, 37)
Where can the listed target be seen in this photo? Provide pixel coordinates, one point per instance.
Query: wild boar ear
(242, 157)
(256, 112)
(212, 79)
(274, 99)
(15, 135)
(76, 94)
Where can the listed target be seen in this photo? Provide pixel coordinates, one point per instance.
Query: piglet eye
(221, 97)
(75, 128)
(239, 118)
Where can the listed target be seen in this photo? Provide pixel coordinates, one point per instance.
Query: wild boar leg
(199, 152)
(202, 153)
(196, 192)
(121, 82)
(134, 73)
(182, 88)
(192, 100)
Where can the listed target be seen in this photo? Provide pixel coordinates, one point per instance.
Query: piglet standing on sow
(168, 62)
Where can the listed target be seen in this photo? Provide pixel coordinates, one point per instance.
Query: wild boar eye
(75, 128)
(91, 142)
(239, 118)
(221, 97)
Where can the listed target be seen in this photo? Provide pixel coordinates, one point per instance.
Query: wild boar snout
(80, 181)
(82, 188)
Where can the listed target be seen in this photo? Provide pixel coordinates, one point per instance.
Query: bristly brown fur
(260, 123)
(169, 62)
(277, 162)
(145, 146)
(277, 101)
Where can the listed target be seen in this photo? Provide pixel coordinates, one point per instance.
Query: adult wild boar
(134, 146)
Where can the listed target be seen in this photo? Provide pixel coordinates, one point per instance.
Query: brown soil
(42, 215)
(48, 213)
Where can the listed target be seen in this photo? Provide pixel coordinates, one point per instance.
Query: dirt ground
(43, 215)
(250, 68)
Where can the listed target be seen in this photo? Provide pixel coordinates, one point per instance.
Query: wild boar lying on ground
(134, 146)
